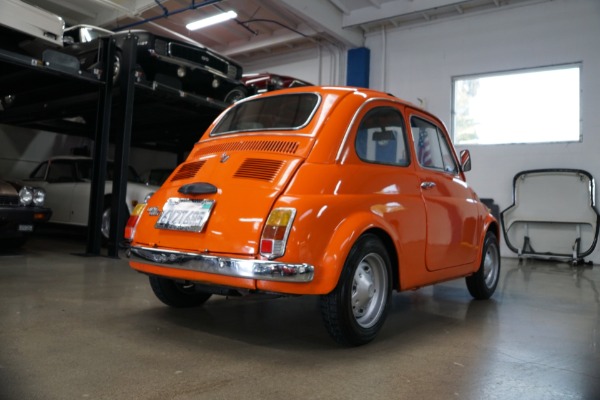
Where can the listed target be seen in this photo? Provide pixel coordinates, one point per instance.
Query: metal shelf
(52, 94)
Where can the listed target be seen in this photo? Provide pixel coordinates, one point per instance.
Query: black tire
(176, 294)
(235, 94)
(482, 283)
(355, 310)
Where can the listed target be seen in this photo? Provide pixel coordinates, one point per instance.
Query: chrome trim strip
(236, 267)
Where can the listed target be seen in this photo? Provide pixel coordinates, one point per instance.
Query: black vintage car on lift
(186, 66)
(21, 208)
(266, 82)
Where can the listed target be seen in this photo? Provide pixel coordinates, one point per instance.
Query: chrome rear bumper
(236, 267)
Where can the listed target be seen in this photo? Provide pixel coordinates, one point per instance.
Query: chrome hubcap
(369, 290)
(490, 265)
(116, 68)
(105, 224)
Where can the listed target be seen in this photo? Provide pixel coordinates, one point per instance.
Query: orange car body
(431, 222)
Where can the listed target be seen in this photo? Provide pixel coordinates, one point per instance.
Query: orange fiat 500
(339, 192)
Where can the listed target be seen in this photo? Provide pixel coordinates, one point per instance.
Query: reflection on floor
(75, 327)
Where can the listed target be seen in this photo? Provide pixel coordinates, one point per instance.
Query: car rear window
(284, 112)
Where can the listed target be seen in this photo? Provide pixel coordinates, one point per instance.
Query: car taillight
(133, 221)
(276, 231)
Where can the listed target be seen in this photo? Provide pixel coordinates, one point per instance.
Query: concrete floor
(73, 327)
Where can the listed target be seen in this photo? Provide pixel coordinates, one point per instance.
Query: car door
(452, 214)
(80, 198)
(383, 145)
(59, 183)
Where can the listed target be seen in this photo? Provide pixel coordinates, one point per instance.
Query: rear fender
(490, 224)
(344, 237)
(329, 265)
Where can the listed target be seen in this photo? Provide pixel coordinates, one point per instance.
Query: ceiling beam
(340, 6)
(78, 9)
(130, 8)
(114, 10)
(325, 17)
(282, 37)
(393, 9)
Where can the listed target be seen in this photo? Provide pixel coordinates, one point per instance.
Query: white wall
(419, 63)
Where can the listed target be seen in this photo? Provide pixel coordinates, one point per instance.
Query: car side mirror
(465, 160)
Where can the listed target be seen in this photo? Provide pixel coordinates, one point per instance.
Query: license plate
(185, 214)
(25, 228)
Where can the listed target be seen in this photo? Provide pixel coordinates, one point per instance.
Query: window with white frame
(538, 105)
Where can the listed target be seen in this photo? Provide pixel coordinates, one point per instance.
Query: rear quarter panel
(336, 204)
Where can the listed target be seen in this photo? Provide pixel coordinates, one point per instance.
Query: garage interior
(77, 322)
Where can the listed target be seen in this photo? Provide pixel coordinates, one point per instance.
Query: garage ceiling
(265, 27)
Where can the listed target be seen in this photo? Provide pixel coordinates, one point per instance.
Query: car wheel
(356, 309)
(482, 283)
(105, 222)
(117, 67)
(236, 94)
(176, 294)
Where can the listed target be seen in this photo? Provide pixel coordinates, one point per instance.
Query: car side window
(84, 170)
(381, 139)
(61, 171)
(40, 172)
(431, 147)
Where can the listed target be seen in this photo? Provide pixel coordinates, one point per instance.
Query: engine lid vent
(272, 146)
(188, 171)
(259, 168)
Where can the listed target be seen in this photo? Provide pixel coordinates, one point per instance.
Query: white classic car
(67, 182)
(31, 22)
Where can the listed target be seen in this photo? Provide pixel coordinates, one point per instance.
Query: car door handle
(427, 185)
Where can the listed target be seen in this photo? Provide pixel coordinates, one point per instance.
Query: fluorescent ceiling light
(215, 19)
